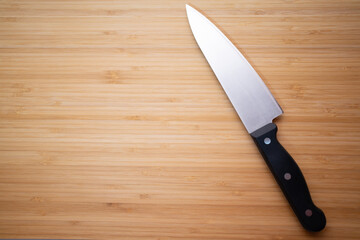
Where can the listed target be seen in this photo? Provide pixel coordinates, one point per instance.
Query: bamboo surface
(113, 126)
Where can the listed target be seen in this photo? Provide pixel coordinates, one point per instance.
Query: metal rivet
(267, 141)
(308, 212)
(287, 176)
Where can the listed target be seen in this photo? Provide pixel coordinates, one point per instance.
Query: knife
(257, 109)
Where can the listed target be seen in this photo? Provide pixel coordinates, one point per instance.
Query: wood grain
(113, 126)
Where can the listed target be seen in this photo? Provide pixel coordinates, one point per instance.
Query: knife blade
(257, 109)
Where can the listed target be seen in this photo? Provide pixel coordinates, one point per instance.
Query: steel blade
(247, 92)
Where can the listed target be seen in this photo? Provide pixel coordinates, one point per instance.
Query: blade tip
(188, 8)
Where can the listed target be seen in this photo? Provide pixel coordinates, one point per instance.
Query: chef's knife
(256, 108)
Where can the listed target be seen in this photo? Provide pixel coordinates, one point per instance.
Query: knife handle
(289, 177)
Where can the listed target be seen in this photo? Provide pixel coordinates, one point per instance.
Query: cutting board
(113, 126)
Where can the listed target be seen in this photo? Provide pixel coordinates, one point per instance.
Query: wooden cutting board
(113, 126)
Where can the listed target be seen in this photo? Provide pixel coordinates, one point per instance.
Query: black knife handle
(289, 177)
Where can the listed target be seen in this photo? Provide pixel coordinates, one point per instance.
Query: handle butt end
(313, 219)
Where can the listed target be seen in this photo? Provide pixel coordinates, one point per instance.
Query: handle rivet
(267, 141)
(308, 212)
(287, 176)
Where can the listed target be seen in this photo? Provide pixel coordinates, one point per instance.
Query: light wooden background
(113, 126)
